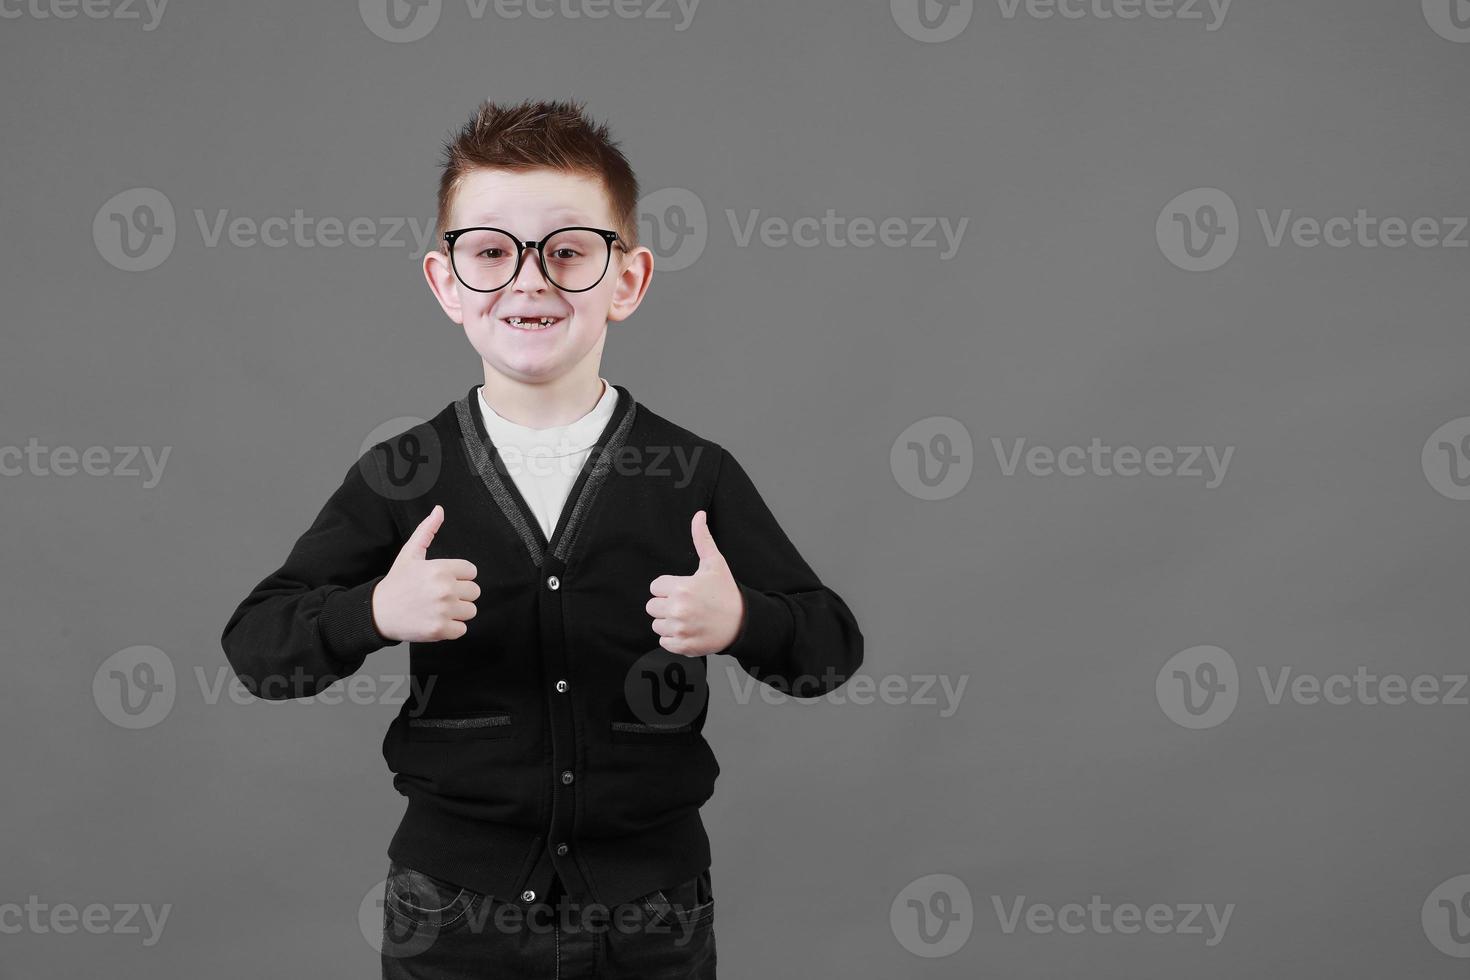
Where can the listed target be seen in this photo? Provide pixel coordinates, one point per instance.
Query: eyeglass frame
(608, 235)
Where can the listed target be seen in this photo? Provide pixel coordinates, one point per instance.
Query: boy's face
(530, 205)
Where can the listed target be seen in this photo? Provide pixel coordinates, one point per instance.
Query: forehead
(531, 201)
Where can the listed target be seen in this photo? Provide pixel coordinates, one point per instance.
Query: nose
(531, 262)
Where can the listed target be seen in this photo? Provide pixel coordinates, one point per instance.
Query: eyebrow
(559, 214)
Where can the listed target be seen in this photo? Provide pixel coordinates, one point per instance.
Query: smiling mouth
(531, 324)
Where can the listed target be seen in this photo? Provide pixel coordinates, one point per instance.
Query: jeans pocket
(687, 904)
(422, 900)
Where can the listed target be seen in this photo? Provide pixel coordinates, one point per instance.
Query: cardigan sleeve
(310, 622)
(798, 636)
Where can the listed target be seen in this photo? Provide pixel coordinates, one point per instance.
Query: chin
(529, 371)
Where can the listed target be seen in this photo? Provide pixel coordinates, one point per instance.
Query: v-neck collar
(553, 441)
(485, 459)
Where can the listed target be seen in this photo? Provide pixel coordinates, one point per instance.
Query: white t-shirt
(545, 462)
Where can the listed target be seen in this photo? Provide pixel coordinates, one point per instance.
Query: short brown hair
(534, 135)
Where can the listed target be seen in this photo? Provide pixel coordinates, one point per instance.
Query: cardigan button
(528, 895)
(561, 687)
(561, 849)
(553, 583)
(566, 777)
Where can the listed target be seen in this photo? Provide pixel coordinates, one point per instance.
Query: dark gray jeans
(435, 929)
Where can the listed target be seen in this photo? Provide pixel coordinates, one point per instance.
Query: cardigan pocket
(452, 728)
(638, 733)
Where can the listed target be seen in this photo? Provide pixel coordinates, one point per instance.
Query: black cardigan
(557, 733)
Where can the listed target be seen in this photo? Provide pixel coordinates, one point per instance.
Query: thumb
(416, 548)
(704, 542)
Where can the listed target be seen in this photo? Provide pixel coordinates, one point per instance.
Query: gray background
(1060, 598)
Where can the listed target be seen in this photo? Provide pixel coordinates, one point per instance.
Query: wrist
(376, 618)
(348, 629)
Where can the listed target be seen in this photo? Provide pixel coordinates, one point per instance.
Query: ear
(632, 282)
(443, 284)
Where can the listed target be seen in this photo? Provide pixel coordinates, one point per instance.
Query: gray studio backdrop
(1107, 356)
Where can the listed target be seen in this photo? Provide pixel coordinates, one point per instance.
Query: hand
(422, 599)
(697, 614)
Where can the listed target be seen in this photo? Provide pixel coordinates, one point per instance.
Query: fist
(696, 615)
(422, 599)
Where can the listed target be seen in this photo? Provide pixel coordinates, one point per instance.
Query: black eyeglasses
(572, 259)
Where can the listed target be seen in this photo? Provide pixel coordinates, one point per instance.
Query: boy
(561, 560)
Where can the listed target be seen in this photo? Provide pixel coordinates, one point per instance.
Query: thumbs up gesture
(697, 614)
(423, 599)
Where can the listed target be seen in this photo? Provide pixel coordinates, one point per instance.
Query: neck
(542, 405)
